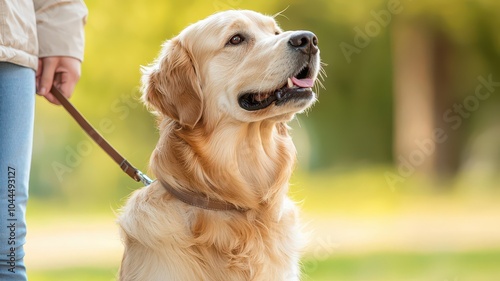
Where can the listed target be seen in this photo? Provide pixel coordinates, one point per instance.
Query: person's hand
(62, 72)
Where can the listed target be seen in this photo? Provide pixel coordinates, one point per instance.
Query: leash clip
(143, 178)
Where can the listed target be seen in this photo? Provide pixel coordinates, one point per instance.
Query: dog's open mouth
(297, 87)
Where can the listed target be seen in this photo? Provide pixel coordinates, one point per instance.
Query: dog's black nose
(304, 41)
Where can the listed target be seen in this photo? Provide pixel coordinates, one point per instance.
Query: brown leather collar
(200, 201)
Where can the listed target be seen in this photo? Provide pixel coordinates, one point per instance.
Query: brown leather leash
(128, 168)
(188, 197)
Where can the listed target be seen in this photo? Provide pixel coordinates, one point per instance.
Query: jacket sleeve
(60, 27)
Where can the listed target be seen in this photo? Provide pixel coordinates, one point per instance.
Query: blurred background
(398, 163)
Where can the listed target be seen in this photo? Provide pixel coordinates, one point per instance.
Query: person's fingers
(52, 99)
(47, 75)
(65, 82)
(60, 82)
(61, 72)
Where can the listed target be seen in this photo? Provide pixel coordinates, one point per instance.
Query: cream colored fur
(209, 145)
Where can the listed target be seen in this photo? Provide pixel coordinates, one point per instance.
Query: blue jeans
(17, 107)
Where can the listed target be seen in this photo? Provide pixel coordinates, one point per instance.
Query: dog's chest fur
(187, 243)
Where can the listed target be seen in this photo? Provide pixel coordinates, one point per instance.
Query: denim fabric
(17, 103)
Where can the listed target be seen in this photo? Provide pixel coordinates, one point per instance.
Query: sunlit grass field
(474, 266)
(366, 230)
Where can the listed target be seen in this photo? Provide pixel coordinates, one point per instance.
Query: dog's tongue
(303, 83)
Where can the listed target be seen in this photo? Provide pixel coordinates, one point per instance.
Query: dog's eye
(277, 33)
(236, 39)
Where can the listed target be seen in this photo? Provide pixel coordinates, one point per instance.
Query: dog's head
(233, 64)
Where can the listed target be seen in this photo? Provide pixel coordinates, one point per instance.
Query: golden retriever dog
(223, 91)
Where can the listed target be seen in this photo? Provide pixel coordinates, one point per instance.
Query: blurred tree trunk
(422, 93)
(447, 153)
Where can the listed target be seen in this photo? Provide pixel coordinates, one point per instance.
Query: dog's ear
(171, 87)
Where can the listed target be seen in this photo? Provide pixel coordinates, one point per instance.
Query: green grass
(362, 194)
(445, 266)
(74, 274)
(474, 266)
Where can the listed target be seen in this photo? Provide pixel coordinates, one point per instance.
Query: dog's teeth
(290, 83)
(278, 94)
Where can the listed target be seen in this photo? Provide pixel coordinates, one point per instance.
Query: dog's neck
(248, 165)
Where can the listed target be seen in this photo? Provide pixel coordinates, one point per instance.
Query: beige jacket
(30, 29)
